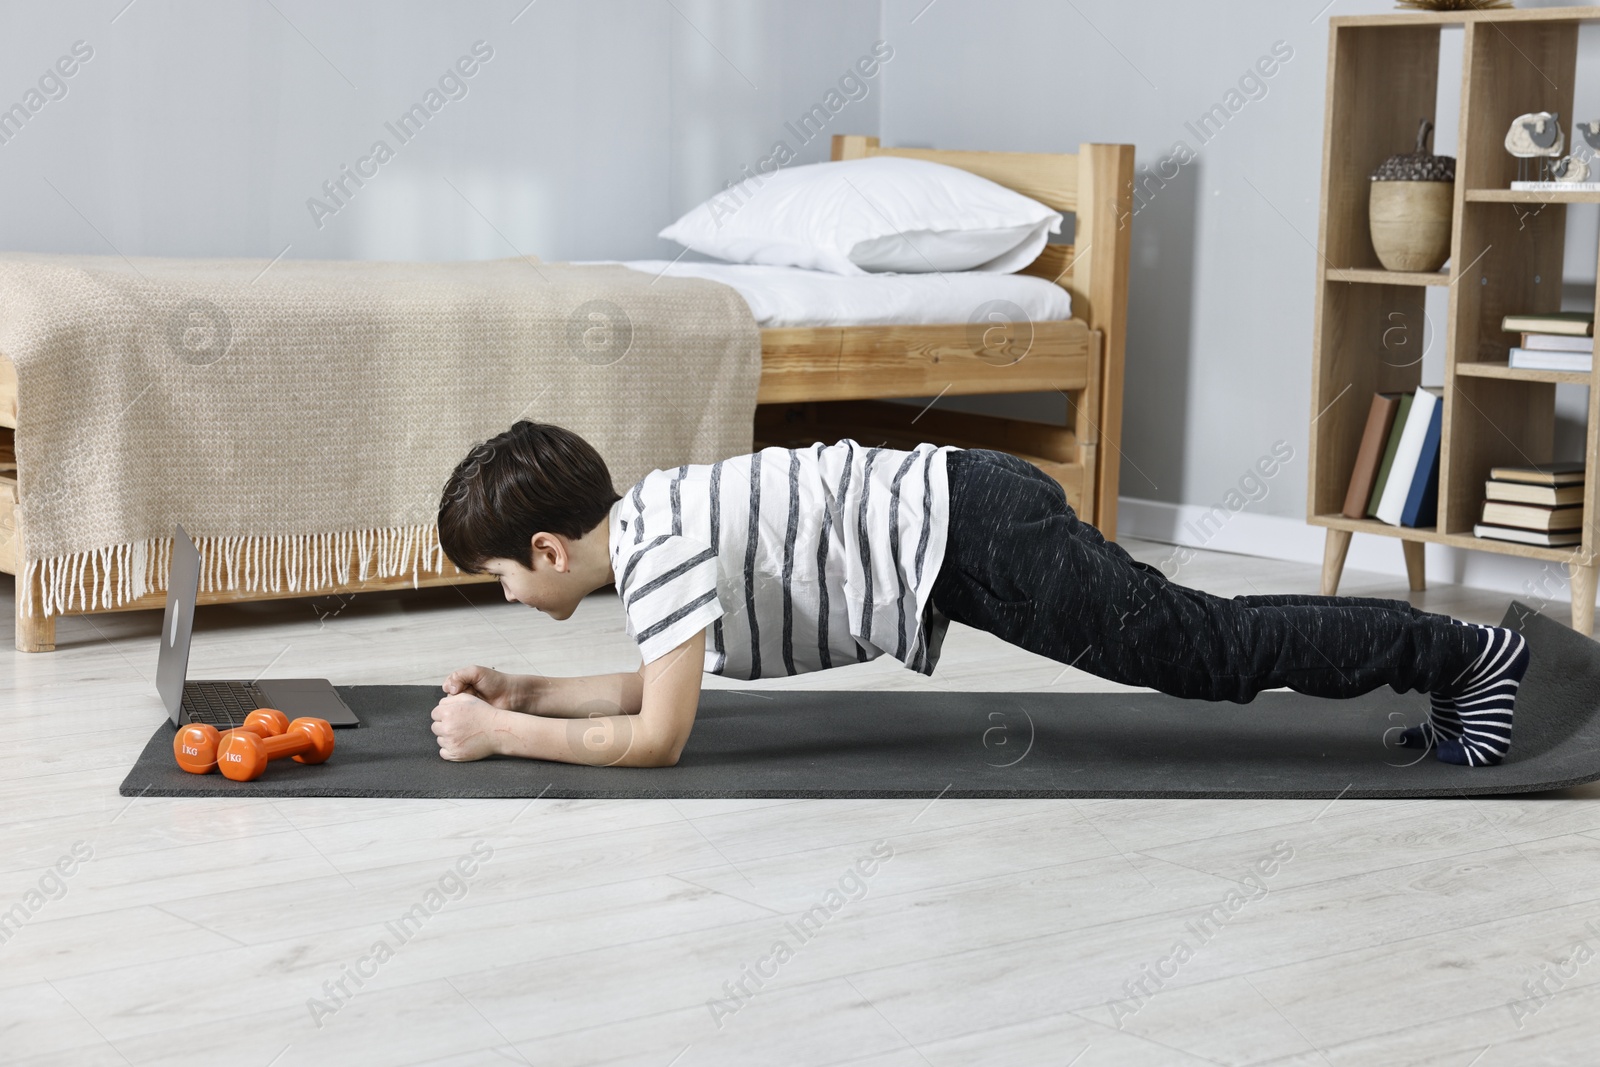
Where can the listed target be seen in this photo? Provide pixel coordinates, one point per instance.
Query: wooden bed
(827, 383)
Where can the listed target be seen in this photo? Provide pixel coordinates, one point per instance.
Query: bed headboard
(1096, 186)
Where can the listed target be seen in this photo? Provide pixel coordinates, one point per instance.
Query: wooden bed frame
(821, 384)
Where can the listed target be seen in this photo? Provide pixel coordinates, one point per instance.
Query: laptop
(225, 704)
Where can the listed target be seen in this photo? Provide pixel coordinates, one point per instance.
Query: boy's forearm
(598, 741)
(586, 696)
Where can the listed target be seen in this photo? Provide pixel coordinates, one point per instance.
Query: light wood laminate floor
(1449, 932)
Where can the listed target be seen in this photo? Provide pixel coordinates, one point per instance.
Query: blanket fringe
(103, 579)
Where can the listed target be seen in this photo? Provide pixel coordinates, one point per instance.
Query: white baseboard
(1276, 537)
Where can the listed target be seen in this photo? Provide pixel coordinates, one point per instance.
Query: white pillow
(885, 213)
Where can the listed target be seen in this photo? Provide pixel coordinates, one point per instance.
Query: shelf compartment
(1511, 266)
(1366, 337)
(1489, 422)
(1511, 68)
(1370, 276)
(1382, 79)
(1523, 374)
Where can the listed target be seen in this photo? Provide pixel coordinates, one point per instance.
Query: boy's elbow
(667, 755)
(663, 752)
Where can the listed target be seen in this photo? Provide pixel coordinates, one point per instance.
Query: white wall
(202, 127)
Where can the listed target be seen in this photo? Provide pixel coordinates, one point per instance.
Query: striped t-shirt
(796, 559)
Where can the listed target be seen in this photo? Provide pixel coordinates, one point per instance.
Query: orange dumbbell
(196, 744)
(243, 756)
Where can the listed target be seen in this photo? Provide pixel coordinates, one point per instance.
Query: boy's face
(550, 586)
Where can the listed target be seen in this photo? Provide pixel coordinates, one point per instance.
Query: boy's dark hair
(532, 477)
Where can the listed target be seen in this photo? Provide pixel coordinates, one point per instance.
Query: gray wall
(201, 128)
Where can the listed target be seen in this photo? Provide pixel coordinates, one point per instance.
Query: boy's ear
(549, 547)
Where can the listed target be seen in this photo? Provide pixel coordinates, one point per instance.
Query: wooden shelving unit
(1505, 256)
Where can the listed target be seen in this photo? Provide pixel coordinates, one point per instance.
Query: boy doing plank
(792, 560)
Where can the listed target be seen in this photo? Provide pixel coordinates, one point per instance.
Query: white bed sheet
(792, 296)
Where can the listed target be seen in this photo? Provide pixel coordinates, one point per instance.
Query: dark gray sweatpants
(1021, 565)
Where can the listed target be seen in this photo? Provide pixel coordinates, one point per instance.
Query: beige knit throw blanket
(299, 418)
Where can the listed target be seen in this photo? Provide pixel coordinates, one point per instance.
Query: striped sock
(1443, 724)
(1481, 700)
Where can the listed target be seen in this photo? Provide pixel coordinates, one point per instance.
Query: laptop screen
(177, 625)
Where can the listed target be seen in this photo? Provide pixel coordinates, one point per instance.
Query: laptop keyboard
(221, 704)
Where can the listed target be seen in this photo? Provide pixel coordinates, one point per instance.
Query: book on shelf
(1565, 323)
(1374, 440)
(1552, 187)
(1411, 496)
(1386, 464)
(1545, 359)
(1532, 516)
(1565, 473)
(1422, 499)
(1528, 537)
(1555, 342)
(1547, 496)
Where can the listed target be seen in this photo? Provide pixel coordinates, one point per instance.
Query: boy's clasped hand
(468, 721)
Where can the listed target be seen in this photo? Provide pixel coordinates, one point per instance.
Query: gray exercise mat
(903, 744)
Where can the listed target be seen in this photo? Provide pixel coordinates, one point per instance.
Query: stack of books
(1396, 474)
(1539, 505)
(1563, 340)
